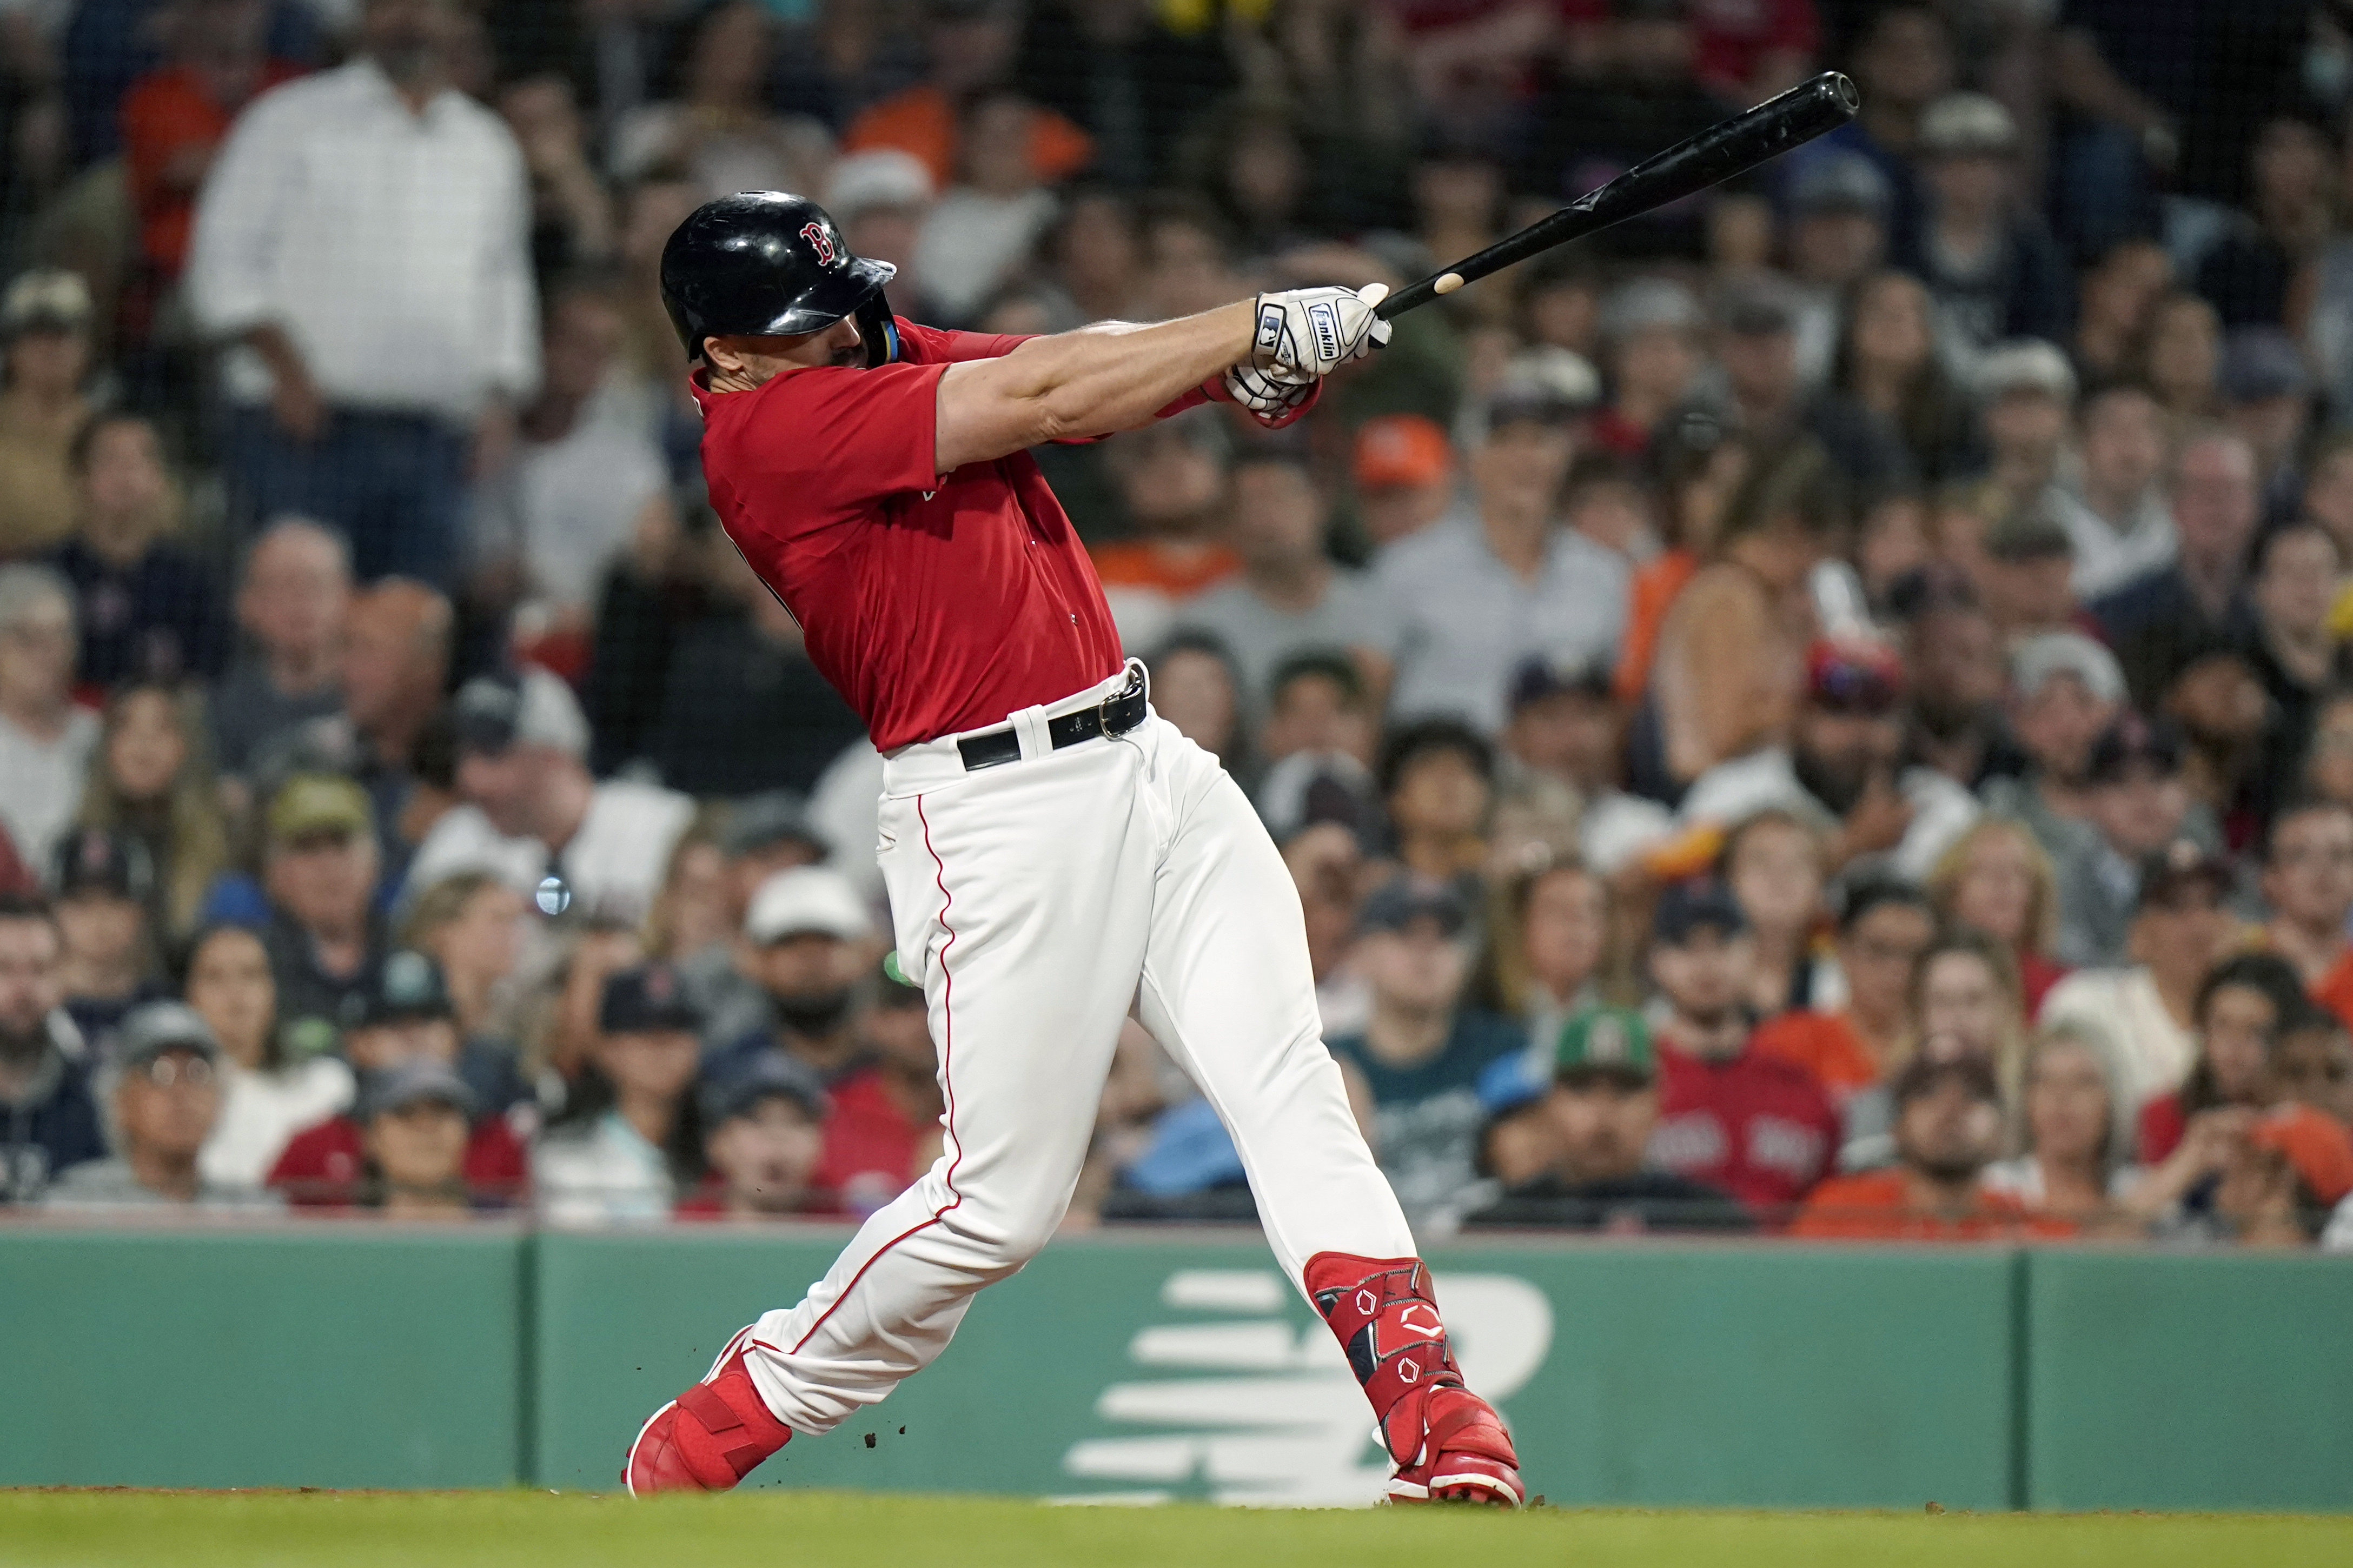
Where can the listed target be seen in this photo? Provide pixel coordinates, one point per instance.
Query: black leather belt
(1115, 715)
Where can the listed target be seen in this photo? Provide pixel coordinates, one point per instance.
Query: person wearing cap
(1419, 1057)
(101, 882)
(629, 1138)
(164, 1090)
(48, 1116)
(533, 809)
(2307, 882)
(879, 198)
(1603, 1105)
(2135, 804)
(293, 591)
(1884, 925)
(1403, 470)
(742, 708)
(1985, 254)
(319, 867)
(2025, 566)
(882, 1121)
(45, 317)
(164, 618)
(1289, 597)
(2160, 620)
(46, 738)
(2026, 401)
(1948, 1122)
(2267, 402)
(764, 1131)
(1842, 207)
(2144, 1009)
(809, 939)
(1650, 331)
(380, 303)
(1757, 346)
(1753, 1123)
(1498, 580)
(2113, 507)
(414, 1125)
(400, 1018)
(1566, 724)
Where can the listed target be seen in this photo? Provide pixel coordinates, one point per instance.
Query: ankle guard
(1382, 1312)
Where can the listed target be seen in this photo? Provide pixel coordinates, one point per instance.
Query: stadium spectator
(2136, 804)
(400, 1019)
(1603, 1106)
(688, 924)
(1987, 258)
(1884, 927)
(2296, 652)
(44, 361)
(2026, 404)
(394, 669)
(1546, 941)
(1963, 999)
(48, 1117)
(807, 940)
(1739, 1118)
(1403, 471)
(292, 605)
(2112, 510)
(381, 300)
(2311, 1063)
(1772, 862)
(45, 740)
(764, 1135)
(101, 884)
(414, 1128)
(2267, 403)
(2021, 563)
(1948, 1128)
(2066, 692)
(2241, 1006)
(1196, 688)
(1419, 1057)
(164, 1096)
(629, 1138)
(1956, 677)
(1756, 349)
(1498, 581)
(2117, 294)
(147, 781)
(984, 224)
(883, 1126)
(2307, 882)
(1893, 410)
(2182, 357)
(533, 808)
(1438, 780)
(149, 610)
(2142, 1014)
(1841, 205)
(2159, 622)
(1290, 598)
(1568, 725)
(1172, 481)
(1997, 880)
(268, 1093)
(2077, 1134)
(712, 121)
(326, 937)
(1650, 343)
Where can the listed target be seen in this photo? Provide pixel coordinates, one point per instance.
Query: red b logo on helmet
(821, 242)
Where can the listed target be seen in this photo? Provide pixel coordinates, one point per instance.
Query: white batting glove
(1305, 335)
(1271, 403)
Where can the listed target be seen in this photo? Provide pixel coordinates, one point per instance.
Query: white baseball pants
(1035, 902)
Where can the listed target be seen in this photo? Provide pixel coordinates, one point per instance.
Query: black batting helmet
(770, 264)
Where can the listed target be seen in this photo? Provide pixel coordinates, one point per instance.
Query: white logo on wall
(1273, 1415)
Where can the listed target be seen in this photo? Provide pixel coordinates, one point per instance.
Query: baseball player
(1056, 854)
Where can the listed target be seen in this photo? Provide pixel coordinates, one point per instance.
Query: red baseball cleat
(708, 1439)
(1466, 1455)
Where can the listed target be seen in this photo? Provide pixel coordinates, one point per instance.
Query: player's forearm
(1094, 381)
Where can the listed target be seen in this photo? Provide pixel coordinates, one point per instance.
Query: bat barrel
(1733, 147)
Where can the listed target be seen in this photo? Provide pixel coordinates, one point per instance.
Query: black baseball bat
(1731, 147)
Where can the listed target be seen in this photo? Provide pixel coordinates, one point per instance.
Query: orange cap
(1402, 449)
(2316, 1144)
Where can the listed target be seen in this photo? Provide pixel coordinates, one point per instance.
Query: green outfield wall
(1179, 1365)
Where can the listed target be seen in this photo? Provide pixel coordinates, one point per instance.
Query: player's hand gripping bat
(1732, 147)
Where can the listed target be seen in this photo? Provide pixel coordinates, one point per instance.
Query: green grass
(824, 1530)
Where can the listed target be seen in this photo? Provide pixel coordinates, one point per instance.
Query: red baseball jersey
(933, 603)
(1757, 1126)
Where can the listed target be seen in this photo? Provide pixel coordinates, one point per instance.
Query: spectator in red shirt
(2242, 1006)
(403, 1017)
(763, 1136)
(1752, 1123)
(2308, 883)
(174, 116)
(884, 1128)
(1948, 1130)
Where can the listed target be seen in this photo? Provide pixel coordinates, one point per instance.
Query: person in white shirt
(45, 740)
(2113, 511)
(982, 228)
(266, 1098)
(364, 240)
(534, 816)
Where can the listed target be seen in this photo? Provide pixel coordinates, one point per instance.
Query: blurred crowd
(1822, 711)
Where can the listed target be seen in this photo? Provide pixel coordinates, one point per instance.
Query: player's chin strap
(879, 327)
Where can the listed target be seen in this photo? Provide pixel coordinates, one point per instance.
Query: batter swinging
(1055, 852)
